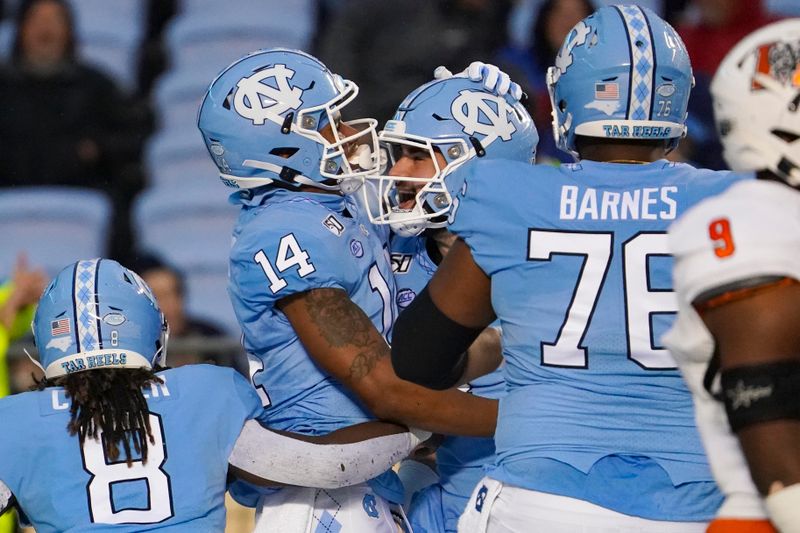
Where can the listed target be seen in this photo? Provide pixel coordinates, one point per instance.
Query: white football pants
(355, 509)
(497, 508)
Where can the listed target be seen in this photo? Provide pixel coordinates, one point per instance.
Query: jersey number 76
(641, 301)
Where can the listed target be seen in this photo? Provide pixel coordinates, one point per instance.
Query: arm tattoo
(342, 323)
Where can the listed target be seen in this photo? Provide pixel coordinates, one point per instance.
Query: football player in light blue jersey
(596, 431)
(310, 278)
(109, 443)
(438, 128)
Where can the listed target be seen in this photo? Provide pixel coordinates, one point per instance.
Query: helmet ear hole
(725, 127)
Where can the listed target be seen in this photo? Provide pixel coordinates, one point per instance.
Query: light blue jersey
(195, 417)
(460, 461)
(581, 283)
(287, 243)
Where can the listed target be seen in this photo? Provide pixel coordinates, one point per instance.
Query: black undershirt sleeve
(428, 348)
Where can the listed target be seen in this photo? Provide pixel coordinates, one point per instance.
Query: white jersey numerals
(379, 285)
(642, 301)
(108, 475)
(289, 255)
(256, 366)
(596, 251)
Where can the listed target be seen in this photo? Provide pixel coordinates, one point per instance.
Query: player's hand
(492, 78)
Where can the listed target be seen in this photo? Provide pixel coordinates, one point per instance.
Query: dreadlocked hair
(109, 401)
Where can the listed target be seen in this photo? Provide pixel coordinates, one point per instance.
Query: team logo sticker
(370, 505)
(577, 37)
(114, 319)
(779, 60)
(484, 114)
(266, 94)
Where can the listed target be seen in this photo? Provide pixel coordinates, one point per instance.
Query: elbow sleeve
(428, 348)
(271, 456)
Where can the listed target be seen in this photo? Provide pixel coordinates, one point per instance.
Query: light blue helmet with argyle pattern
(98, 314)
(622, 73)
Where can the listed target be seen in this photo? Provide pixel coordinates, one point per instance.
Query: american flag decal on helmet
(60, 327)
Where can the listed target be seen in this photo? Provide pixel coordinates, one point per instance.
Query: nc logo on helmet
(575, 38)
(258, 101)
(472, 109)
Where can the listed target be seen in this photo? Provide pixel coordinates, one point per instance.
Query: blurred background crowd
(100, 154)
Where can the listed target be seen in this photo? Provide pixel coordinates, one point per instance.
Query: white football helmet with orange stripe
(756, 94)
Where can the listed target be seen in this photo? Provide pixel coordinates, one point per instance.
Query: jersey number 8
(109, 477)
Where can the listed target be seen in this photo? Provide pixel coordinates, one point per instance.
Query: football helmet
(265, 118)
(622, 73)
(756, 93)
(458, 118)
(97, 314)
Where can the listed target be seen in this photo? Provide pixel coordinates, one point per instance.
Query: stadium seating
(190, 227)
(107, 44)
(54, 226)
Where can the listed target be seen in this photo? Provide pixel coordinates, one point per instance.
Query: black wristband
(761, 393)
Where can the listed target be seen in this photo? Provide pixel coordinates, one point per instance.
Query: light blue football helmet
(98, 314)
(263, 120)
(622, 73)
(459, 119)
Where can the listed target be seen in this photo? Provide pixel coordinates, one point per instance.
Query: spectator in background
(169, 289)
(64, 122)
(390, 48)
(551, 24)
(710, 29)
(720, 24)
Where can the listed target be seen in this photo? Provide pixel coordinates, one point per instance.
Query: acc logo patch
(485, 114)
(405, 297)
(259, 101)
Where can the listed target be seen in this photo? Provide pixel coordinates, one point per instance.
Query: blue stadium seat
(54, 226)
(177, 156)
(219, 32)
(104, 42)
(190, 227)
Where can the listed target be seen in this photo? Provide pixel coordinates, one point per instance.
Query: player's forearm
(360, 432)
(449, 412)
(483, 356)
(771, 450)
